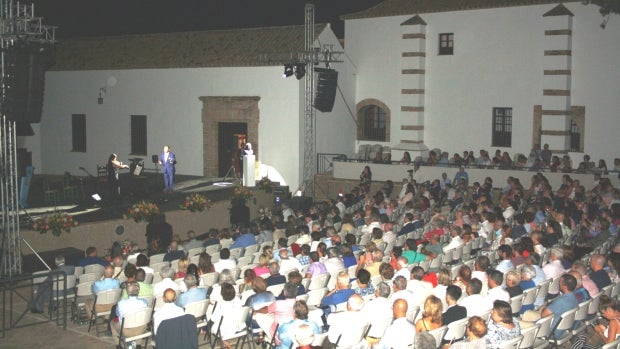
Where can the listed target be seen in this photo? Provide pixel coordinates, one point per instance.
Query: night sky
(78, 18)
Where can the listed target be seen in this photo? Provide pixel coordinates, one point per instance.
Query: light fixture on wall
(288, 70)
(300, 70)
(102, 92)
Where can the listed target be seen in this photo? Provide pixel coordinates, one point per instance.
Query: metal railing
(25, 288)
(325, 161)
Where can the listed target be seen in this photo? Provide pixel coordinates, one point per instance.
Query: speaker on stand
(327, 83)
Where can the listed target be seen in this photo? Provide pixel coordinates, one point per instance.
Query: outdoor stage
(99, 225)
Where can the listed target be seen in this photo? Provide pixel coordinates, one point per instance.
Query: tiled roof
(410, 7)
(217, 48)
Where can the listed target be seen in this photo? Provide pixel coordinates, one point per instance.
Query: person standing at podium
(168, 160)
(112, 168)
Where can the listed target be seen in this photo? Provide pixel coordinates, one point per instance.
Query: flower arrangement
(141, 211)
(128, 246)
(265, 184)
(196, 203)
(56, 222)
(241, 193)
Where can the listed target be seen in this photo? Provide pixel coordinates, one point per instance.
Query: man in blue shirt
(131, 304)
(193, 293)
(91, 258)
(461, 175)
(244, 240)
(108, 283)
(341, 293)
(563, 303)
(287, 331)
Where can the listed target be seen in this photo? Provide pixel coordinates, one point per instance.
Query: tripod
(233, 171)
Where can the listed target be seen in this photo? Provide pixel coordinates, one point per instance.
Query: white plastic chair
(135, 319)
(438, 333)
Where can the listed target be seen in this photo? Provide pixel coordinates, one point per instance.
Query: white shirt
(393, 336)
(475, 305)
(454, 243)
(389, 236)
(495, 294)
(168, 311)
(224, 264)
(289, 264)
(333, 265)
(412, 299)
(379, 312)
(160, 287)
(422, 289)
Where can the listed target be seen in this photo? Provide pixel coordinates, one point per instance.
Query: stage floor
(133, 189)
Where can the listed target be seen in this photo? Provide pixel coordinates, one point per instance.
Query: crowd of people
(381, 251)
(537, 160)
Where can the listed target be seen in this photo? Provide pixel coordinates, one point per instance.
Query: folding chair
(209, 279)
(580, 317)
(516, 303)
(567, 319)
(195, 251)
(62, 293)
(107, 299)
(593, 309)
(352, 338)
(544, 329)
(529, 297)
(456, 330)
(439, 333)
(276, 289)
(156, 258)
(529, 336)
(240, 319)
(612, 345)
(315, 297)
(132, 321)
(318, 282)
(89, 277)
(511, 344)
(83, 292)
(94, 268)
(198, 310)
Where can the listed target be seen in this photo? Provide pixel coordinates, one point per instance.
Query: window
(575, 137)
(373, 123)
(78, 133)
(502, 127)
(138, 134)
(446, 43)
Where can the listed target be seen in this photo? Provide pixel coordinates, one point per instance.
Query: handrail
(13, 284)
(324, 161)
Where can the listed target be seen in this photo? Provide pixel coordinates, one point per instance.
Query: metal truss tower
(18, 24)
(310, 56)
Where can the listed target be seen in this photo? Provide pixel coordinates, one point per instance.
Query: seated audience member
(581, 293)
(554, 269)
(602, 332)
(513, 284)
(304, 336)
(107, 283)
(133, 303)
(261, 297)
(496, 292)
(503, 326)
(364, 287)
(182, 268)
(341, 293)
(344, 325)
(167, 273)
(431, 316)
(263, 265)
(393, 335)
(558, 306)
(588, 284)
(505, 264)
(474, 302)
(287, 263)
(193, 293)
(475, 332)
(142, 261)
(92, 258)
(168, 311)
(316, 267)
(225, 277)
(146, 290)
(598, 274)
(275, 278)
(225, 262)
(348, 258)
(413, 257)
(379, 311)
(454, 311)
(333, 263)
(227, 325)
(173, 252)
(43, 291)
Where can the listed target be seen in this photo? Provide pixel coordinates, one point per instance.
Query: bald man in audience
(347, 323)
(106, 284)
(169, 311)
(393, 336)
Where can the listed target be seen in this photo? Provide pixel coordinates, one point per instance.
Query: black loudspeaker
(25, 73)
(327, 82)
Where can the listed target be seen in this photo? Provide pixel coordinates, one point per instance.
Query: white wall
(497, 62)
(169, 98)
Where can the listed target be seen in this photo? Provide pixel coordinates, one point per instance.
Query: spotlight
(300, 70)
(288, 70)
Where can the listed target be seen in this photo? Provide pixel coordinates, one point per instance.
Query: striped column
(557, 64)
(413, 70)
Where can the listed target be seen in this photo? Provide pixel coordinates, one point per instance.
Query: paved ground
(51, 336)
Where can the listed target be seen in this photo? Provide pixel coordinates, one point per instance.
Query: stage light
(288, 70)
(300, 70)
(299, 192)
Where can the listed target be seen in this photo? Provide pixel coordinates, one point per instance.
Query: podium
(249, 164)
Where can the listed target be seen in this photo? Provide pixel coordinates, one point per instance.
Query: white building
(446, 74)
(193, 91)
